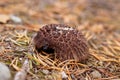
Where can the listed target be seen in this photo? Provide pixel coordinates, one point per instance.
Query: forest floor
(99, 21)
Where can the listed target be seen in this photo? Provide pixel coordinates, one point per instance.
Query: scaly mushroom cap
(64, 41)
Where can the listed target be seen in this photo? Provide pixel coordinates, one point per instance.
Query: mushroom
(64, 41)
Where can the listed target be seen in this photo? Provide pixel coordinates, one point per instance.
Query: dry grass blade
(15, 42)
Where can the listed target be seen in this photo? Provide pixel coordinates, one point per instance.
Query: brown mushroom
(64, 41)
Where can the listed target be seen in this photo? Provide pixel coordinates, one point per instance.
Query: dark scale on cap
(64, 41)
